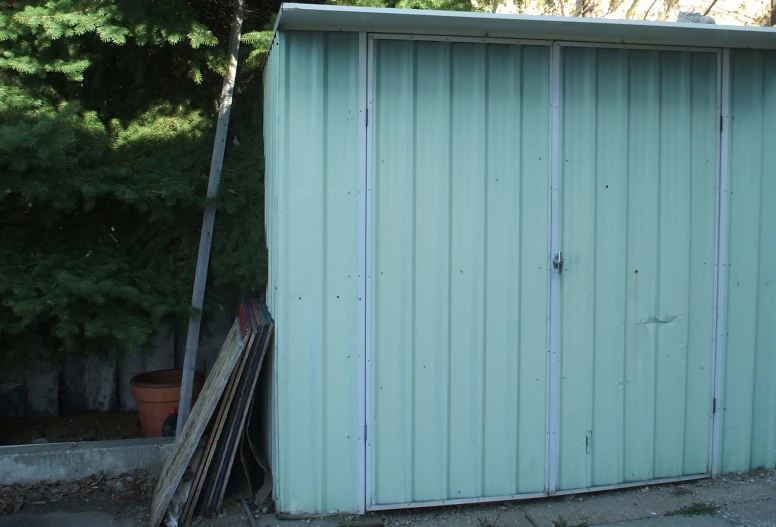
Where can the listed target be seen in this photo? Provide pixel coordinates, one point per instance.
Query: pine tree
(107, 114)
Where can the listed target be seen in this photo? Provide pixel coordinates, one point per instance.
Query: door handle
(557, 261)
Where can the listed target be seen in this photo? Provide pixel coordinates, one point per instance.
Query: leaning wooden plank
(223, 451)
(189, 437)
(254, 321)
(217, 426)
(237, 434)
(215, 433)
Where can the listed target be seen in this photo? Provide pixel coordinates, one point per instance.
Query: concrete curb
(29, 464)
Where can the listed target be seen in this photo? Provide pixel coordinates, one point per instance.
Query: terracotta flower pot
(156, 392)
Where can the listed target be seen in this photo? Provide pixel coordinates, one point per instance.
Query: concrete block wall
(98, 384)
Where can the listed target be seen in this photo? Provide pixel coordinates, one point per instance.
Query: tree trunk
(585, 8)
(773, 12)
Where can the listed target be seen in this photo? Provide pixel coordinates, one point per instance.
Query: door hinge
(721, 121)
(714, 406)
(365, 432)
(367, 116)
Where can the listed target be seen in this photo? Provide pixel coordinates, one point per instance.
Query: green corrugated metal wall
(460, 220)
(638, 207)
(460, 258)
(313, 195)
(749, 404)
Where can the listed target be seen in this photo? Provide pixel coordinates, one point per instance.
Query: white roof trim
(312, 17)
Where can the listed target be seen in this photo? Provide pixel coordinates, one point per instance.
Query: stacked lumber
(194, 479)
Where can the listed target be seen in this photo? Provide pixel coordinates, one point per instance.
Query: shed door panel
(459, 271)
(638, 195)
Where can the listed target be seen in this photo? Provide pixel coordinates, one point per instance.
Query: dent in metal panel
(638, 193)
(688, 153)
(749, 434)
(456, 146)
(317, 354)
(673, 294)
(642, 275)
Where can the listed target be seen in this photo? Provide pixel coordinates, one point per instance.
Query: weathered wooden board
(218, 425)
(257, 316)
(230, 418)
(236, 434)
(200, 415)
(247, 326)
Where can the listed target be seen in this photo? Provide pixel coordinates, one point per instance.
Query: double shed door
(492, 373)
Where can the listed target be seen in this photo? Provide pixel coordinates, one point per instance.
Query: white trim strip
(661, 47)
(553, 307)
(362, 270)
(369, 59)
(537, 42)
(720, 267)
(461, 501)
(535, 495)
(454, 38)
(381, 20)
(632, 484)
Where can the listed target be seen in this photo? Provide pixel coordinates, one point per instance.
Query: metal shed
(516, 256)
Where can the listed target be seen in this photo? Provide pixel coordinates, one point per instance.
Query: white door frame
(721, 264)
(553, 281)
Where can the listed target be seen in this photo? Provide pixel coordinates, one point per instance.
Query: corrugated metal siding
(638, 198)
(749, 405)
(314, 261)
(460, 223)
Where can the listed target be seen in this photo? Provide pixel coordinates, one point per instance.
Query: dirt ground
(738, 500)
(127, 498)
(132, 487)
(85, 427)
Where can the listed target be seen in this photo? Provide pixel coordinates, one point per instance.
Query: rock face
(693, 17)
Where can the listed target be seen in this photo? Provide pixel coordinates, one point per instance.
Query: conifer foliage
(107, 116)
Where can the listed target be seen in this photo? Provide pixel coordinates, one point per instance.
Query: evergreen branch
(141, 168)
